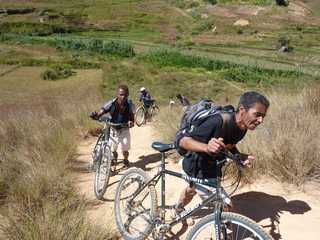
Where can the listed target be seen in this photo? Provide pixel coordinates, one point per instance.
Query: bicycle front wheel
(102, 174)
(233, 226)
(154, 112)
(140, 116)
(135, 212)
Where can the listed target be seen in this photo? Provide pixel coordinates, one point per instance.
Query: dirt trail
(285, 212)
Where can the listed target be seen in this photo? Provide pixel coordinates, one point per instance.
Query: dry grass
(168, 122)
(37, 146)
(287, 145)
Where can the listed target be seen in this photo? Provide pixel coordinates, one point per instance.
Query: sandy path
(287, 213)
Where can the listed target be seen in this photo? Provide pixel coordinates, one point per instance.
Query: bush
(32, 29)
(57, 71)
(213, 2)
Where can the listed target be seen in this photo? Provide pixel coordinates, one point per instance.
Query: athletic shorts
(120, 137)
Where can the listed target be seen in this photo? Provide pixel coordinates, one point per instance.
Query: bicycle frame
(214, 197)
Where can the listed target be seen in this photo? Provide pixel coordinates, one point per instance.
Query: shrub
(32, 29)
(57, 71)
(213, 2)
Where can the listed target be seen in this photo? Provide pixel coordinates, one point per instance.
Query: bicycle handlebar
(117, 125)
(107, 121)
(233, 157)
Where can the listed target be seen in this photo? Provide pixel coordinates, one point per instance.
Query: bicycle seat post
(163, 182)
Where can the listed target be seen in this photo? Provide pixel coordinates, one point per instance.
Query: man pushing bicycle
(120, 110)
(206, 139)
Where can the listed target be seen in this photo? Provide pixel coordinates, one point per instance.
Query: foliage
(57, 71)
(213, 2)
(105, 47)
(254, 2)
(32, 29)
(231, 71)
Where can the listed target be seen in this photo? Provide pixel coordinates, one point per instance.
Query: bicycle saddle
(162, 147)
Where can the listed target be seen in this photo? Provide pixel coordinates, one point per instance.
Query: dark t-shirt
(118, 116)
(202, 165)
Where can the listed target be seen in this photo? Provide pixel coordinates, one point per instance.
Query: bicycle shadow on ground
(259, 206)
(145, 160)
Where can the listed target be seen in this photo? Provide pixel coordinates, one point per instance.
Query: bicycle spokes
(135, 205)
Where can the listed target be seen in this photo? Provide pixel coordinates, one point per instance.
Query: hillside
(60, 59)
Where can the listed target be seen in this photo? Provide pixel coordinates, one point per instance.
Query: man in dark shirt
(120, 110)
(205, 140)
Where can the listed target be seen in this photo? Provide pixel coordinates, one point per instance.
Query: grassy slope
(150, 24)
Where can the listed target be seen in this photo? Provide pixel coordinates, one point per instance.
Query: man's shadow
(259, 206)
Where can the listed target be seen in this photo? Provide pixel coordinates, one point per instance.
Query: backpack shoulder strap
(226, 118)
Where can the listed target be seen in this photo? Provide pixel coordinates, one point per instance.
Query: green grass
(230, 71)
(252, 2)
(104, 47)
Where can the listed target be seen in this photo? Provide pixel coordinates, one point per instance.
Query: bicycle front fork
(217, 222)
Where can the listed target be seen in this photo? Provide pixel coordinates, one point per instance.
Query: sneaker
(126, 162)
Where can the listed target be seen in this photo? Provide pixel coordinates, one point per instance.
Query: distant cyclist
(145, 98)
(120, 110)
(183, 100)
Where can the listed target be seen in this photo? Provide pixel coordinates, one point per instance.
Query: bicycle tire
(126, 214)
(244, 226)
(154, 112)
(102, 173)
(96, 153)
(140, 116)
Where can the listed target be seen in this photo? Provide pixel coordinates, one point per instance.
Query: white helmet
(142, 89)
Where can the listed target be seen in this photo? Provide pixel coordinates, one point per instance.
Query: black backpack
(197, 113)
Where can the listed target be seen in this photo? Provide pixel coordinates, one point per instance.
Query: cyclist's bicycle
(143, 114)
(138, 214)
(102, 156)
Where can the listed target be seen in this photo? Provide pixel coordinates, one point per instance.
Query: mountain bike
(102, 156)
(138, 215)
(143, 114)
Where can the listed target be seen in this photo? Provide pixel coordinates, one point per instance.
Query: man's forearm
(190, 144)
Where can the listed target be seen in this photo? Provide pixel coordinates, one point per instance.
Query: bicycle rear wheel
(135, 215)
(102, 174)
(234, 226)
(140, 116)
